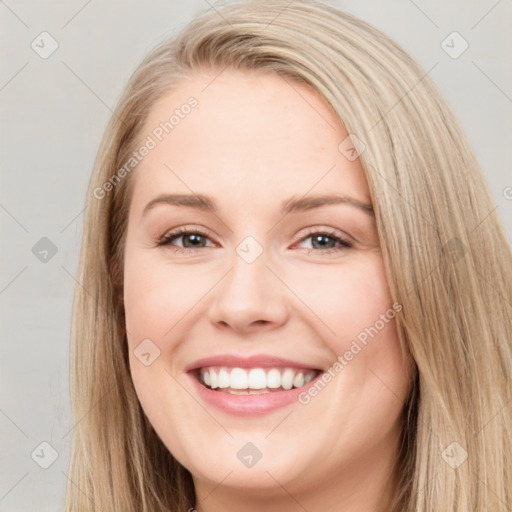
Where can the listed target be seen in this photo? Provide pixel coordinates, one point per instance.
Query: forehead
(247, 132)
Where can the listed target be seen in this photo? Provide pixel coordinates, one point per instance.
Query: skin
(253, 142)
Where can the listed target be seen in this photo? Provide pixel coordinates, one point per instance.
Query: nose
(249, 298)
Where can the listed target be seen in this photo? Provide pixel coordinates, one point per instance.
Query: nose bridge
(249, 292)
(249, 273)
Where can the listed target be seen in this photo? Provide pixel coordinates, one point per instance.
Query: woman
(292, 292)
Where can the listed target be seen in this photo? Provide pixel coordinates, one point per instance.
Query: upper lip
(254, 361)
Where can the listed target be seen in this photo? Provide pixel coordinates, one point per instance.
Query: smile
(250, 385)
(254, 381)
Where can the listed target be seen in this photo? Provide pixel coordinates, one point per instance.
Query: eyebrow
(206, 203)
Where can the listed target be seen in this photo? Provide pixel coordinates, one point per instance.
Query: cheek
(157, 296)
(334, 303)
(347, 298)
(354, 305)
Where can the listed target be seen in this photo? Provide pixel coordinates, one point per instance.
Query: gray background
(54, 111)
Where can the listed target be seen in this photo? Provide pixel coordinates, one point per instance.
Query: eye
(326, 241)
(190, 239)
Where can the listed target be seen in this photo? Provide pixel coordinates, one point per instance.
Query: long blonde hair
(446, 256)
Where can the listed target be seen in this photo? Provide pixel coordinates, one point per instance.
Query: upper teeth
(255, 378)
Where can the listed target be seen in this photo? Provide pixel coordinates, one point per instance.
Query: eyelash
(170, 237)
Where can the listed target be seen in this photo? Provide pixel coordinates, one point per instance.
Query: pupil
(319, 239)
(196, 238)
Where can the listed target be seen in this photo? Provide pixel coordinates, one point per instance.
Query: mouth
(250, 385)
(253, 381)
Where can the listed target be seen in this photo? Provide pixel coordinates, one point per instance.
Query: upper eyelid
(181, 232)
(185, 230)
(311, 230)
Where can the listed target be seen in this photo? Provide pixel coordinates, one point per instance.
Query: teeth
(238, 378)
(242, 381)
(214, 380)
(287, 379)
(223, 378)
(257, 379)
(298, 381)
(274, 379)
(309, 377)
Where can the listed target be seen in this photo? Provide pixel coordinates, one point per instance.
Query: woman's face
(277, 282)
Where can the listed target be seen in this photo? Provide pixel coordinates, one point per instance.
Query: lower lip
(249, 404)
